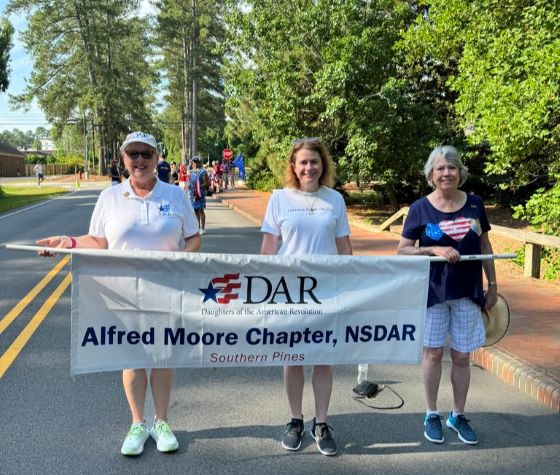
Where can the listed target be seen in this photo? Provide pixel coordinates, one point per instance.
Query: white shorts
(461, 319)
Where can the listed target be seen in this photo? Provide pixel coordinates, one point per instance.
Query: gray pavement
(230, 419)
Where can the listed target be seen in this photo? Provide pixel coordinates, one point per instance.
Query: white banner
(166, 310)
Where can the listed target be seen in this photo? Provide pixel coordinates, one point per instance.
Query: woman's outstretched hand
(61, 242)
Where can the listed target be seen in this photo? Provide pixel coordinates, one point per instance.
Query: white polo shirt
(161, 221)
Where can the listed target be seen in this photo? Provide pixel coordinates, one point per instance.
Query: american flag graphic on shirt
(456, 229)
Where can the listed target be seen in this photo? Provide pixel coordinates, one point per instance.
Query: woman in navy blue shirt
(449, 223)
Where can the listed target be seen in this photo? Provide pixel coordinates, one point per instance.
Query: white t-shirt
(308, 223)
(161, 221)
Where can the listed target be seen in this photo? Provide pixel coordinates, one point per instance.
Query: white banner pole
(476, 257)
(23, 247)
(131, 254)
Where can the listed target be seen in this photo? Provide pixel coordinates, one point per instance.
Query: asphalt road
(226, 420)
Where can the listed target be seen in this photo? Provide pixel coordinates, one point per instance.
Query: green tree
(6, 37)
(90, 63)
(23, 140)
(506, 80)
(330, 69)
(190, 35)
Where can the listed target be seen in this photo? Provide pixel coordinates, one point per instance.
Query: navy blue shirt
(460, 229)
(163, 170)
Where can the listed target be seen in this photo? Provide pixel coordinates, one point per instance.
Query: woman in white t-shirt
(147, 214)
(308, 217)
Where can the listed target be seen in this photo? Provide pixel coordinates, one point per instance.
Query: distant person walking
(231, 175)
(115, 173)
(38, 169)
(174, 174)
(163, 169)
(183, 176)
(216, 176)
(198, 186)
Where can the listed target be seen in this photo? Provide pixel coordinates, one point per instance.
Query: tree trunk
(393, 199)
(187, 91)
(194, 114)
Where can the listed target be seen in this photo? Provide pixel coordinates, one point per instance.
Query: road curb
(532, 381)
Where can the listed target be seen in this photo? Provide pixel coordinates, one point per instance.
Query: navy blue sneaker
(291, 440)
(460, 424)
(321, 433)
(432, 428)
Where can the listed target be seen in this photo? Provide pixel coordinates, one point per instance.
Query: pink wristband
(73, 241)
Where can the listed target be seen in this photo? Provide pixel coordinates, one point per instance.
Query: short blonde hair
(451, 155)
(316, 145)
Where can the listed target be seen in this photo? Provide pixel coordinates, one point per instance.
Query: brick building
(12, 161)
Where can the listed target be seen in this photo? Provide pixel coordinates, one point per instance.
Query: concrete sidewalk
(528, 357)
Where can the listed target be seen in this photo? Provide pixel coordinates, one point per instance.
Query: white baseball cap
(139, 137)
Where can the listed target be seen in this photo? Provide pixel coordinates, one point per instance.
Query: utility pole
(193, 79)
(190, 92)
(187, 90)
(86, 160)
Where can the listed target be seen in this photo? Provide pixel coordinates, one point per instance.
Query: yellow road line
(19, 343)
(24, 302)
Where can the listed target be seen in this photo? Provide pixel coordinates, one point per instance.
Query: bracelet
(492, 283)
(420, 251)
(73, 242)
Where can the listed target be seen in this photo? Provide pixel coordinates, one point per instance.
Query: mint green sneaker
(165, 440)
(135, 439)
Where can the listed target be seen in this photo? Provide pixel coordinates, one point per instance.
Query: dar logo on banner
(224, 286)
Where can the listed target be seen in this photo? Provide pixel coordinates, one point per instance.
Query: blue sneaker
(433, 431)
(460, 424)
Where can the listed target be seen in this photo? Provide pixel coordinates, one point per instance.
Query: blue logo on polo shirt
(165, 210)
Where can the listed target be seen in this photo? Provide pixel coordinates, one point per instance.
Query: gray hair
(451, 155)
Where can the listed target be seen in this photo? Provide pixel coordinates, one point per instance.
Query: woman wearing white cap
(449, 222)
(141, 213)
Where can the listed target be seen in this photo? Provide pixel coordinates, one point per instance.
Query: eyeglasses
(307, 140)
(134, 154)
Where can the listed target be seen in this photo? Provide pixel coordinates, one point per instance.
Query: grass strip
(13, 197)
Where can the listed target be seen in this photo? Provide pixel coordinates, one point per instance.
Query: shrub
(543, 212)
(370, 199)
(262, 180)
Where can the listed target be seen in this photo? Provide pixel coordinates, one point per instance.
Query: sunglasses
(307, 140)
(134, 154)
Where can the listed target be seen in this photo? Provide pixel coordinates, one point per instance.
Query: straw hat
(496, 321)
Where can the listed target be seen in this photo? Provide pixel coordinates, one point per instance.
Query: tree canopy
(332, 69)
(90, 61)
(382, 82)
(6, 37)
